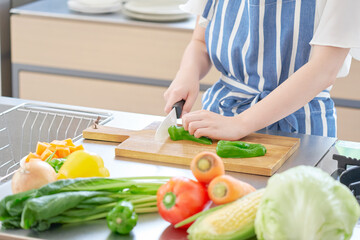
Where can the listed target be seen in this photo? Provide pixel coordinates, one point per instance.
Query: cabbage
(305, 203)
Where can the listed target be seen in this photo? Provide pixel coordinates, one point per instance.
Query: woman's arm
(300, 88)
(195, 64)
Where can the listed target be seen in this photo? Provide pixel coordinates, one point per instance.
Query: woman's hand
(215, 126)
(184, 86)
(194, 66)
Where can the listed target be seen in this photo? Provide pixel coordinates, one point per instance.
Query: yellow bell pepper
(83, 164)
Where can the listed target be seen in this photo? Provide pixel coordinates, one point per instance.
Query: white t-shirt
(337, 23)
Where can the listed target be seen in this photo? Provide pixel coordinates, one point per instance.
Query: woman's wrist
(243, 125)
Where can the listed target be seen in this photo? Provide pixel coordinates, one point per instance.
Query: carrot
(205, 166)
(62, 152)
(47, 153)
(58, 143)
(41, 147)
(69, 142)
(76, 148)
(30, 156)
(224, 189)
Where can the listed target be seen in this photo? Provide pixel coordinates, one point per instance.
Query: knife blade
(162, 131)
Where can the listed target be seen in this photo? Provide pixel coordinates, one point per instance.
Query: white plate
(155, 18)
(78, 7)
(155, 7)
(98, 3)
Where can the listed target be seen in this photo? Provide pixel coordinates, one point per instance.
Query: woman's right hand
(195, 65)
(185, 86)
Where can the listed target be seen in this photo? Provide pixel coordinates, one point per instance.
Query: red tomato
(181, 198)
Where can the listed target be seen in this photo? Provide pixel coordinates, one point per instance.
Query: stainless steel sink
(4, 107)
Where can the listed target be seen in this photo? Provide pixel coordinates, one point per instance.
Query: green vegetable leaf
(77, 200)
(45, 207)
(56, 163)
(50, 157)
(13, 205)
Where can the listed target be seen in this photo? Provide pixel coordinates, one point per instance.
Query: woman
(278, 60)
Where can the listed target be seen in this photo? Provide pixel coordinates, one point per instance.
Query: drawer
(348, 124)
(94, 93)
(109, 48)
(348, 87)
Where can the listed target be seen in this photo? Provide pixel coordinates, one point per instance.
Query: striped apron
(257, 45)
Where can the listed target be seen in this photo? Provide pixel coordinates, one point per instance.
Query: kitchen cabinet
(141, 62)
(109, 61)
(347, 99)
(99, 93)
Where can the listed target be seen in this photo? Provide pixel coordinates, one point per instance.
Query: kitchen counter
(59, 9)
(313, 151)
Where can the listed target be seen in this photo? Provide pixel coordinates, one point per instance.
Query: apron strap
(209, 9)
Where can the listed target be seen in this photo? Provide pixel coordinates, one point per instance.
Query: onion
(32, 175)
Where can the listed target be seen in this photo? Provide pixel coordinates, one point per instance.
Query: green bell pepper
(179, 133)
(238, 149)
(122, 218)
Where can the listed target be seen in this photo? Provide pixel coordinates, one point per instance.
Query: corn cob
(233, 221)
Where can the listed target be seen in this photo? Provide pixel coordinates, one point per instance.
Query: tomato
(181, 198)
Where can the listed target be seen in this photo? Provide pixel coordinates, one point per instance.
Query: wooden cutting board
(141, 145)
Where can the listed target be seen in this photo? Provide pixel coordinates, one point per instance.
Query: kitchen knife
(162, 131)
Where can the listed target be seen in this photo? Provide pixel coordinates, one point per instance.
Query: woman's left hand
(209, 124)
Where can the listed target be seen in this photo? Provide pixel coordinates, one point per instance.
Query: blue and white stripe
(257, 45)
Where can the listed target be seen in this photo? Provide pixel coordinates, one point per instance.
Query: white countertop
(151, 226)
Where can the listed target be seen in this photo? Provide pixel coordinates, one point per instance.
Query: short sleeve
(196, 7)
(339, 26)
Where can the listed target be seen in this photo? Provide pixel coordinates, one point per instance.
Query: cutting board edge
(180, 160)
(291, 151)
(284, 139)
(106, 133)
(247, 169)
(152, 157)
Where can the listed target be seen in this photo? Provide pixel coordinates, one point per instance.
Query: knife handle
(179, 107)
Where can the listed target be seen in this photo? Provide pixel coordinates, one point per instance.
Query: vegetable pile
(234, 220)
(57, 149)
(208, 168)
(80, 200)
(180, 199)
(63, 160)
(301, 203)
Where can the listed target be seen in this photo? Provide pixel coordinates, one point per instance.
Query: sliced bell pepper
(181, 198)
(238, 149)
(179, 133)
